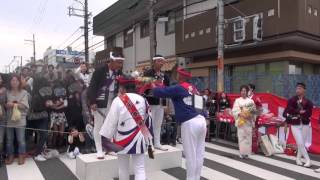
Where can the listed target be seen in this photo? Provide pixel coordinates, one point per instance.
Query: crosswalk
(221, 162)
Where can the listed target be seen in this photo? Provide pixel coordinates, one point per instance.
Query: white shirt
(119, 123)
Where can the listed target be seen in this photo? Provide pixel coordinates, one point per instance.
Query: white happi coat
(120, 126)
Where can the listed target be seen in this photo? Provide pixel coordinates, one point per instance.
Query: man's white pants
(157, 113)
(138, 166)
(98, 122)
(193, 134)
(300, 134)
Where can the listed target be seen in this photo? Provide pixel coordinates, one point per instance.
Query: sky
(48, 20)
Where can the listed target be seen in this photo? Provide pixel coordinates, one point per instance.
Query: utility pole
(34, 47)
(85, 16)
(86, 31)
(220, 59)
(152, 32)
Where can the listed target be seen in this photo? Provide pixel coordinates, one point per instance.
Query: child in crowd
(75, 141)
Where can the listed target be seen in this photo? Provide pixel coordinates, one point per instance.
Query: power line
(39, 15)
(73, 42)
(236, 9)
(67, 39)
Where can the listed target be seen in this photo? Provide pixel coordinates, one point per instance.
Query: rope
(39, 130)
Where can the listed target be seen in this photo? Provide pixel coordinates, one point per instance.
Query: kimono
(123, 129)
(244, 125)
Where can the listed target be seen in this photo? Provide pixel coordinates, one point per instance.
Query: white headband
(116, 58)
(158, 58)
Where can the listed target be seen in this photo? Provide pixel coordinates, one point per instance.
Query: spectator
(84, 74)
(210, 102)
(75, 141)
(74, 117)
(243, 111)
(51, 75)
(58, 116)
(18, 100)
(3, 99)
(26, 79)
(224, 102)
(38, 116)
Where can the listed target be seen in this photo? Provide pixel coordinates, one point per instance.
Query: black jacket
(166, 81)
(97, 82)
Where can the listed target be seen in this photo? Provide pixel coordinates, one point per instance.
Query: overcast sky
(47, 19)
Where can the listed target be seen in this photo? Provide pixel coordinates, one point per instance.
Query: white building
(65, 58)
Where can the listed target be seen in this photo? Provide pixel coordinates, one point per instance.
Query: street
(221, 162)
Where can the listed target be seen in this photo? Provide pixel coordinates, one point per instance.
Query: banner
(276, 105)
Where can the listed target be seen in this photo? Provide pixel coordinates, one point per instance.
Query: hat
(184, 72)
(300, 84)
(158, 57)
(126, 80)
(116, 56)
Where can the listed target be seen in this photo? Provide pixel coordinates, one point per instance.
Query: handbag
(16, 114)
(266, 146)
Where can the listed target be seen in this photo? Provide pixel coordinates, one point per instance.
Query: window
(144, 29)
(315, 12)
(271, 12)
(193, 34)
(170, 24)
(295, 69)
(309, 10)
(208, 30)
(128, 38)
(201, 32)
(111, 42)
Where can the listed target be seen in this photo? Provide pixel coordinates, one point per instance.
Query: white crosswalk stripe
(209, 173)
(258, 167)
(291, 167)
(28, 171)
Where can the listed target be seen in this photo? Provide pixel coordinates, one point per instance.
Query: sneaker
(308, 164)
(71, 155)
(317, 170)
(241, 156)
(100, 155)
(299, 162)
(40, 158)
(76, 152)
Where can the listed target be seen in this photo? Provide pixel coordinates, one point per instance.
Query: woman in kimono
(243, 111)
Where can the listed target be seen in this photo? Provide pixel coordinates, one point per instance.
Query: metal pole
(20, 63)
(86, 31)
(152, 33)
(220, 59)
(34, 50)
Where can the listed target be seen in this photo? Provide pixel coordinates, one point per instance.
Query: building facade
(289, 44)
(271, 43)
(65, 58)
(125, 24)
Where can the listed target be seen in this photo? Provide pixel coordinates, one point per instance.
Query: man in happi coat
(102, 90)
